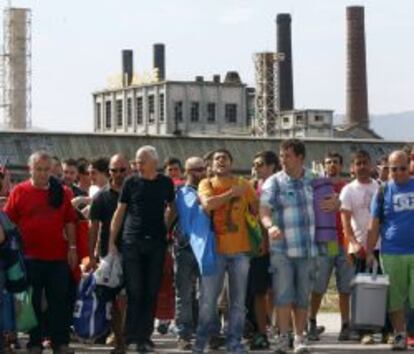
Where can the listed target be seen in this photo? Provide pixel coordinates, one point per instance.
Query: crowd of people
(190, 222)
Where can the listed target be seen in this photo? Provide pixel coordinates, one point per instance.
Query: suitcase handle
(374, 272)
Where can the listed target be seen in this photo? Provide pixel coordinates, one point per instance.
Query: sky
(76, 48)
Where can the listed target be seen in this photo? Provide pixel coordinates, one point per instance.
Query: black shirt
(146, 201)
(103, 207)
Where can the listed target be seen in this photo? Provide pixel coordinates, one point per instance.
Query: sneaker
(163, 327)
(259, 342)
(313, 333)
(345, 333)
(183, 344)
(300, 346)
(282, 344)
(216, 342)
(368, 339)
(400, 342)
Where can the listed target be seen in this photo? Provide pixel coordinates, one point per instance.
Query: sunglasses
(398, 168)
(197, 169)
(118, 170)
(258, 164)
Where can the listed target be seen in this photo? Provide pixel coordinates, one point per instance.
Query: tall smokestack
(159, 60)
(127, 67)
(356, 91)
(284, 45)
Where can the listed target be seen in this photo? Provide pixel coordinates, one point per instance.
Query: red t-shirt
(340, 232)
(41, 226)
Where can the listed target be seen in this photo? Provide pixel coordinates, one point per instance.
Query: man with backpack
(392, 212)
(42, 210)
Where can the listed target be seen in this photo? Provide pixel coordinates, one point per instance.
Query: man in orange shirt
(227, 198)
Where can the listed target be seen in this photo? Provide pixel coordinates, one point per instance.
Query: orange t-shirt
(229, 220)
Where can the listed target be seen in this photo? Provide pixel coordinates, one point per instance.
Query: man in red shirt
(42, 210)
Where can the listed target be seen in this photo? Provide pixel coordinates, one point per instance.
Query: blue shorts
(344, 272)
(292, 280)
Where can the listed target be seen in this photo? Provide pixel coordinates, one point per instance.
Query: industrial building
(163, 107)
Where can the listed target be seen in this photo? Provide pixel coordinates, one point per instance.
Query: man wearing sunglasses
(102, 209)
(392, 212)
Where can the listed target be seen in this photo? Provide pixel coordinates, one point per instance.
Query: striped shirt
(291, 202)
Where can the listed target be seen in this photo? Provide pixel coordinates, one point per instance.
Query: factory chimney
(284, 45)
(127, 67)
(356, 91)
(159, 60)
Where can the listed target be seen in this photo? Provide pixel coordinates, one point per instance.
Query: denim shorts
(344, 272)
(291, 280)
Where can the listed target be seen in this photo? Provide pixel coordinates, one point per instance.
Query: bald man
(392, 212)
(186, 264)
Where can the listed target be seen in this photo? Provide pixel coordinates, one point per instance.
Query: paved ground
(327, 344)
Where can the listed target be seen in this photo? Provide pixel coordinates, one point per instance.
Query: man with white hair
(41, 209)
(141, 210)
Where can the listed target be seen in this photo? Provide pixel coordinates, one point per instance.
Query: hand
(238, 191)
(112, 249)
(72, 258)
(370, 259)
(91, 265)
(354, 246)
(330, 203)
(274, 233)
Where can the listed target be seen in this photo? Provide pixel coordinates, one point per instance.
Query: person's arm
(2, 235)
(70, 231)
(267, 222)
(373, 236)
(116, 225)
(214, 202)
(330, 203)
(346, 216)
(92, 240)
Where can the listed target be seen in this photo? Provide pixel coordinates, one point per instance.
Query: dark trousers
(143, 267)
(2, 281)
(53, 278)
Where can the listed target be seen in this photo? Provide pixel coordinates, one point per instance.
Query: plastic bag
(109, 272)
(25, 316)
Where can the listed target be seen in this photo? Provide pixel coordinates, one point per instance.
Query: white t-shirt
(356, 197)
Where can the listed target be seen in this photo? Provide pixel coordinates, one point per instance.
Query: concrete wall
(17, 146)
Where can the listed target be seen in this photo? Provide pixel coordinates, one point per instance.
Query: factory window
(119, 117)
(151, 108)
(178, 111)
(211, 112)
(162, 107)
(299, 119)
(318, 118)
(108, 114)
(139, 109)
(230, 111)
(195, 111)
(286, 120)
(98, 116)
(129, 112)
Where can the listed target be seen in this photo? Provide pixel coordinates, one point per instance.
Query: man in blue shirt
(392, 212)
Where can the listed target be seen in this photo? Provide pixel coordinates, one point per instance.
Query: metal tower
(267, 103)
(16, 68)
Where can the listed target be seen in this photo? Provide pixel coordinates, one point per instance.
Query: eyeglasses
(258, 164)
(118, 170)
(398, 168)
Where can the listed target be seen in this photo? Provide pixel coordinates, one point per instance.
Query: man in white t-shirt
(355, 212)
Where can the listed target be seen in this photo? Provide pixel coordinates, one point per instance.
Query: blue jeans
(237, 267)
(186, 271)
(2, 280)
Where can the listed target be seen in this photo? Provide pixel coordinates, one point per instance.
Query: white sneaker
(282, 344)
(300, 345)
(400, 342)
